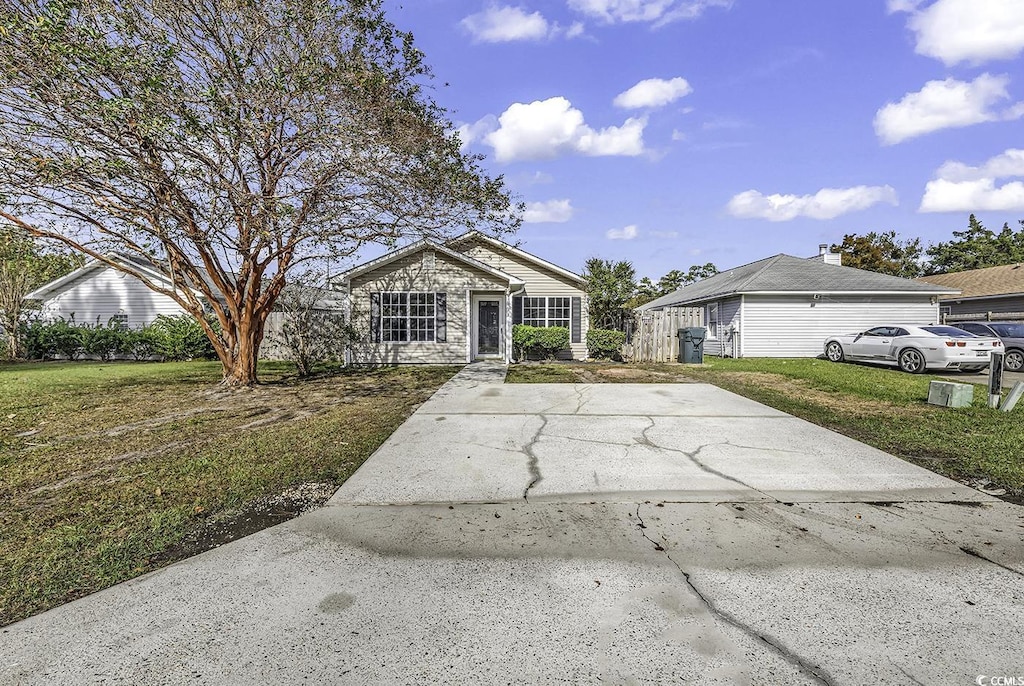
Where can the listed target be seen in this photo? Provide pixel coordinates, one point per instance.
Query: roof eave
(424, 244)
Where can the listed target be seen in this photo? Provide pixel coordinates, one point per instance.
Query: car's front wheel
(834, 352)
(1014, 360)
(911, 361)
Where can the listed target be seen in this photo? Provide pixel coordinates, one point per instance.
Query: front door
(488, 334)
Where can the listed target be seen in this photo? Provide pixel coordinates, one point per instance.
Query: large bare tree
(229, 142)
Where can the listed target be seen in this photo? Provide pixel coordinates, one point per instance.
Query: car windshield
(1008, 330)
(950, 331)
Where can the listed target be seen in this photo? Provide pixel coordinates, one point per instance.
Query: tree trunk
(240, 364)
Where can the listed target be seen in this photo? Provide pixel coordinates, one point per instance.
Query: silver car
(915, 348)
(1010, 333)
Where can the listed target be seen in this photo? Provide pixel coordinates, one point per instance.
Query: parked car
(915, 348)
(1010, 333)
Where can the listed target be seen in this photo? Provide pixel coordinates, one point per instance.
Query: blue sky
(677, 132)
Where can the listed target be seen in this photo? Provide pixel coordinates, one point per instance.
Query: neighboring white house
(96, 292)
(786, 306)
(457, 302)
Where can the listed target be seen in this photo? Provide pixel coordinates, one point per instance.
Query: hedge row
(170, 338)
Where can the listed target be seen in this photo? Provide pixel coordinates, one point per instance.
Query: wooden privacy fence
(948, 318)
(656, 336)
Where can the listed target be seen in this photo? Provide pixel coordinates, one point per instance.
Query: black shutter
(517, 310)
(375, 317)
(441, 317)
(577, 305)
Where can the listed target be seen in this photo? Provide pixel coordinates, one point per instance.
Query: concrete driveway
(619, 534)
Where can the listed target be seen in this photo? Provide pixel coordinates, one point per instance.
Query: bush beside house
(605, 343)
(539, 342)
(169, 337)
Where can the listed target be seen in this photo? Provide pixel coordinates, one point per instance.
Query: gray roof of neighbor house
(1005, 280)
(788, 274)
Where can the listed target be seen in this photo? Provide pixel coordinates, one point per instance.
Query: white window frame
(420, 324)
(552, 305)
(712, 320)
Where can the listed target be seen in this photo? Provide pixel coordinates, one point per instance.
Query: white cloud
(626, 233)
(973, 31)
(1007, 164)
(827, 203)
(943, 105)
(544, 129)
(962, 188)
(653, 93)
(575, 30)
(657, 12)
(549, 211)
(503, 24)
(470, 133)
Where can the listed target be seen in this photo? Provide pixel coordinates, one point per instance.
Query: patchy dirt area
(254, 516)
(110, 471)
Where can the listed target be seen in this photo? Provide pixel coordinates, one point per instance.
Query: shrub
(538, 341)
(63, 337)
(605, 343)
(35, 339)
(102, 341)
(179, 337)
(138, 344)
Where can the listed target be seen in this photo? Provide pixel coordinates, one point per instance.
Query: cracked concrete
(677, 535)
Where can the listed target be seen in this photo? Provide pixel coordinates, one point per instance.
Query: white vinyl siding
(102, 293)
(722, 344)
(797, 325)
(453, 278)
(540, 282)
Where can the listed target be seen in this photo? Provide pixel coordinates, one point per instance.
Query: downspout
(509, 319)
(348, 321)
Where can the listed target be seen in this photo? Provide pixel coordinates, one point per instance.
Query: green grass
(119, 462)
(882, 407)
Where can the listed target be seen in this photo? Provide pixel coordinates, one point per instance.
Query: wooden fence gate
(656, 338)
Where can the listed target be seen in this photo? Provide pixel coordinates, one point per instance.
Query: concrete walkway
(563, 534)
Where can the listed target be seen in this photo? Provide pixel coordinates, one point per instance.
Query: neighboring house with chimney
(785, 306)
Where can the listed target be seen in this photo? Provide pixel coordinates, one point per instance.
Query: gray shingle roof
(785, 273)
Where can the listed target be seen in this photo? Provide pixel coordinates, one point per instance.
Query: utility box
(691, 345)
(949, 394)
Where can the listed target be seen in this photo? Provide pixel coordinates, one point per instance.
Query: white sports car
(915, 348)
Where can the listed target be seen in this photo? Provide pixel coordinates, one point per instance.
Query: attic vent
(428, 259)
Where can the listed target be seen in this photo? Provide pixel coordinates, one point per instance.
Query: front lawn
(108, 470)
(882, 407)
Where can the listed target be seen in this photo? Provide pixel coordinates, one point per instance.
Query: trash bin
(691, 345)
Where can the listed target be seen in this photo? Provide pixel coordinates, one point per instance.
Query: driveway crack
(693, 457)
(974, 553)
(807, 667)
(533, 464)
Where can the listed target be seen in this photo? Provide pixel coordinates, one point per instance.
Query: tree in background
(229, 143)
(647, 290)
(977, 247)
(610, 286)
(25, 264)
(884, 253)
